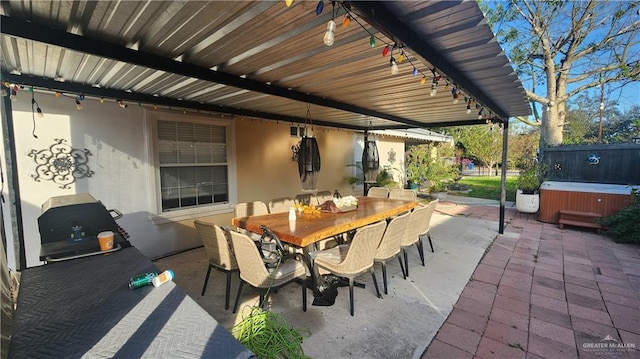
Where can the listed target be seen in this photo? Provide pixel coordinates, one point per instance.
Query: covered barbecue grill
(69, 226)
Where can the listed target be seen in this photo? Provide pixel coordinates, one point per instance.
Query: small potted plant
(527, 196)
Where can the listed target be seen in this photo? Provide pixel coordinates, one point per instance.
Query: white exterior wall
(122, 160)
(116, 140)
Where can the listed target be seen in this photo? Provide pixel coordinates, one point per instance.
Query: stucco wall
(116, 139)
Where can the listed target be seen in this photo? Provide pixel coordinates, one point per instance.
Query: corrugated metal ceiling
(263, 59)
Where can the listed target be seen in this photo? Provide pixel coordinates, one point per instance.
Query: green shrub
(624, 226)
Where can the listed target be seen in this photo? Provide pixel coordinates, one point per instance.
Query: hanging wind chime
(309, 159)
(370, 159)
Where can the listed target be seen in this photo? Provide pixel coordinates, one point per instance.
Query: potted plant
(417, 160)
(384, 178)
(527, 196)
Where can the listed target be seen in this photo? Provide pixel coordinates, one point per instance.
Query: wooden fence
(616, 164)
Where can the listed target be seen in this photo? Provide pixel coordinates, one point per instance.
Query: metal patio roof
(266, 60)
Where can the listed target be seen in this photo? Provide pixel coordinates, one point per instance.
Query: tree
(522, 148)
(567, 47)
(481, 142)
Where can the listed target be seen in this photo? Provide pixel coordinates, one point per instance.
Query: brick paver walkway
(543, 292)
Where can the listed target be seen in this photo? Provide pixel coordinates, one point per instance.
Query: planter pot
(527, 203)
(413, 185)
(438, 195)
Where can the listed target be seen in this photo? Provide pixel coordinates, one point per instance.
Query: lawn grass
(489, 187)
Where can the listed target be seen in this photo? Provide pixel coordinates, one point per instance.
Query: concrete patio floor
(537, 292)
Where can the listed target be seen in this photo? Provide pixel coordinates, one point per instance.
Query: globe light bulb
(328, 35)
(394, 66)
(14, 95)
(79, 105)
(468, 109)
(39, 111)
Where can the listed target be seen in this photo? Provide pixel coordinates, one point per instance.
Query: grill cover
(69, 226)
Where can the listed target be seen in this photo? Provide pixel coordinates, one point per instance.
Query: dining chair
(304, 198)
(279, 205)
(323, 196)
(255, 273)
(351, 260)
(426, 225)
(389, 246)
(403, 194)
(378, 192)
(217, 246)
(246, 209)
(411, 236)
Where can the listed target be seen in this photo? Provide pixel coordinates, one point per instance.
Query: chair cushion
(286, 271)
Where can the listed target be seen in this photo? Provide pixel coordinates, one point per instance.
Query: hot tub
(601, 198)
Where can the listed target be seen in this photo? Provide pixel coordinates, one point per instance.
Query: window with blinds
(193, 164)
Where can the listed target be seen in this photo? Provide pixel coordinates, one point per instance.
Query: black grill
(69, 226)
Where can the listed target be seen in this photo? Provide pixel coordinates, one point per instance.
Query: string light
(78, 103)
(469, 107)
(454, 93)
(329, 36)
(394, 62)
(121, 104)
(394, 66)
(288, 2)
(319, 7)
(480, 114)
(14, 93)
(346, 20)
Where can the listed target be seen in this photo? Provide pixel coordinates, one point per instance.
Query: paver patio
(544, 293)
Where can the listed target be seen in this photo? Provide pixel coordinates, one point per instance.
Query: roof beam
(379, 16)
(28, 30)
(73, 87)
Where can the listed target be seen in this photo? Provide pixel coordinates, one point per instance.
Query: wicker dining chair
(254, 272)
(411, 236)
(426, 225)
(378, 192)
(351, 260)
(280, 205)
(217, 246)
(390, 244)
(305, 198)
(323, 196)
(246, 209)
(403, 194)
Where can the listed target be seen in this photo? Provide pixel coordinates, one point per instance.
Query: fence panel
(616, 164)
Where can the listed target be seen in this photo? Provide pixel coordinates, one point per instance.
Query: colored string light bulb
(319, 7)
(14, 93)
(423, 80)
(385, 51)
(288, 2)
(329, 37)
(57, 94)
(401, 58)
(346, 20)
(394, 66)
(372, 41)
(415, 72)
(454, 93)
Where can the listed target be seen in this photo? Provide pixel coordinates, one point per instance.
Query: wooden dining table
(309, 228)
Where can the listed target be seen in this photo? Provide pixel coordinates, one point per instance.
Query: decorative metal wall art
(61, 163)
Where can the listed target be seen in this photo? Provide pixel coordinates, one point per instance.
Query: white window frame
(156, 215)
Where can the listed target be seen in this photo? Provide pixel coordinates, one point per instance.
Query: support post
(503, 175)
(364, 178)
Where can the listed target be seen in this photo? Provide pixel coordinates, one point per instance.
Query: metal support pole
(503, 175)
(13, 188)
(364, 178)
